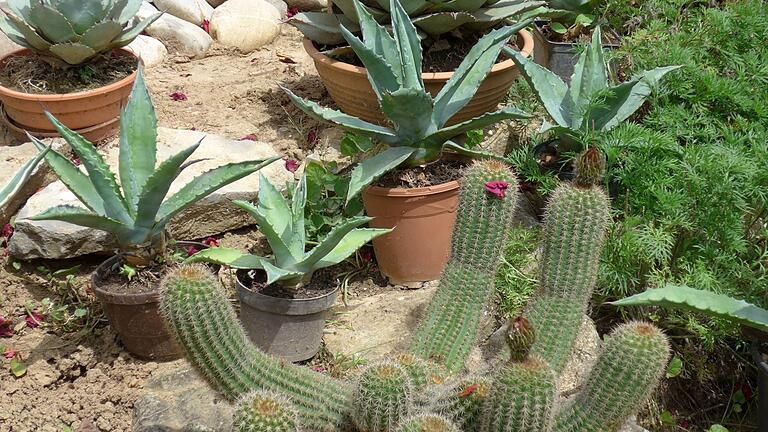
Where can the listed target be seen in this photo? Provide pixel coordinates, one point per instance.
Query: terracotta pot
(349, 87)
(418, 248)
(93, 113)
(136, 318)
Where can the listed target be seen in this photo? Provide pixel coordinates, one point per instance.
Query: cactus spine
(427, 423)
(382, 398)
(628, 368)
(487, 202)
(574, 230)
(205, 325)
(263, 411)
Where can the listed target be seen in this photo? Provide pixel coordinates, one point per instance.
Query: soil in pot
(442, 171)
(323, 282)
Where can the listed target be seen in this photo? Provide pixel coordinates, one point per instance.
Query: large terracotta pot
(93, 113)
(420, 244)
(349, 87)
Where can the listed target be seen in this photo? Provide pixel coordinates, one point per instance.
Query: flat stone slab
(212, 215)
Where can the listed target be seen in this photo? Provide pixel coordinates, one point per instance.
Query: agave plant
(283, 226)
(136, 211)
(72, 31)
(590, 104)
(432, 18)
(418, 133)
(13, 187)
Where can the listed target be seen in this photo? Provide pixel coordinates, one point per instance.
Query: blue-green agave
(136, 211)
(73, 31)
(393, 63)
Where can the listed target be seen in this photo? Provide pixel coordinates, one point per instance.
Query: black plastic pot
(136, 317)
(291, 329)
(559, 57)
(759, 355)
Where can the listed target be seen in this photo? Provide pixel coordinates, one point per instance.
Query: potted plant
(137, 213)
(561, 26)
(284, 298)
(16, 182)
(450, 29)
(422, 217)
(73, 60)
(753, 319)
(587, 105)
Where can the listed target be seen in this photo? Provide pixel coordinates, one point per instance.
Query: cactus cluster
(426, 390)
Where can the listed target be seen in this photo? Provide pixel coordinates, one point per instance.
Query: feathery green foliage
(72, 32)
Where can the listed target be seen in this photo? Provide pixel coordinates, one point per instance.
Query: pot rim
(47, 134)
(413, 192)
(6, 92)
(279, 305)
(122, 298)
(317, 56)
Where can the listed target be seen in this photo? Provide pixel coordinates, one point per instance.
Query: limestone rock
(194, 11)
(178, 35)
(245, 24)
(372, 327)
(179, 400)
(308, 5)
(212, 215)
(281, 7)
(7, 46)
(151, 51)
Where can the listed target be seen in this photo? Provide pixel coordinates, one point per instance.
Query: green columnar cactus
(487, 202)
(574, 230)
(462, 402)
(264, 411)
(628, 368)
(427, 423)
(382, 398)
(206, 326)
(421, 372)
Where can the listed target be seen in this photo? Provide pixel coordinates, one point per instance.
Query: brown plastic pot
(420, 244)
(291, 329)
(93, 113)
(136, 317)
(349, 87)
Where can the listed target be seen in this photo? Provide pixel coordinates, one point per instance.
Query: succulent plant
(264, 411)
(136, 211)
(432, 18)
(72, 31)
(283, 226)
(517, 395)
(13, 187)
(590, 104)
(418, 133)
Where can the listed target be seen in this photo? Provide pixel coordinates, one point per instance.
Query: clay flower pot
(420, 244)
(92, 113)
(349, 87)
(559, 57)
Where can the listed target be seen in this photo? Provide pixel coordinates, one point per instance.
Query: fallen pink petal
(178, 96)
(206, 26)
(34, 320)
(497, 188)
(211, 242)
(312, 137)
(191, 250)
(291, 165)
(292, 12)
(249, 137)
(9, 353)
(7, 231)
(6, 327)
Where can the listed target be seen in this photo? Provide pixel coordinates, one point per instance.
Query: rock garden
(383, 215)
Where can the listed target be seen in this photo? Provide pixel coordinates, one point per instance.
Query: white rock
(280, 5)
(245, 24)
(194, 11)
(212, 215)
(308, 5)
(151, 50)
(178, 35)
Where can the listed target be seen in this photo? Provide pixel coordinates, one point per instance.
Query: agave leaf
(273, 206)
(124, 10)
(625, 99)
(551, 91)
(228, 257)
(505, 9)
(280, 249)
(347, 121)
(51, 23)
(206, 183)
(138, 141)
(82, 14)
(410, 112)
(409, 47)
(129, 34)
(350, 243)
(435, 24)
(83, 217)
(156, 187)
(460, 89)
(473, 153)
(575, 6)
(377, 37)
(277, 274)
(458, 6)
(349, 11)
(20, 7)
(443, 135)
(706, 302)
(589, 77)
(330, 242)
(7, 27)
(100, 36)
(381, 74)
(22, 175)
(412, 7)
(321, 27)
(370, 169)
(73, 178)
(98, 172)
(28, 33)
(73, 53)
(298, 241)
